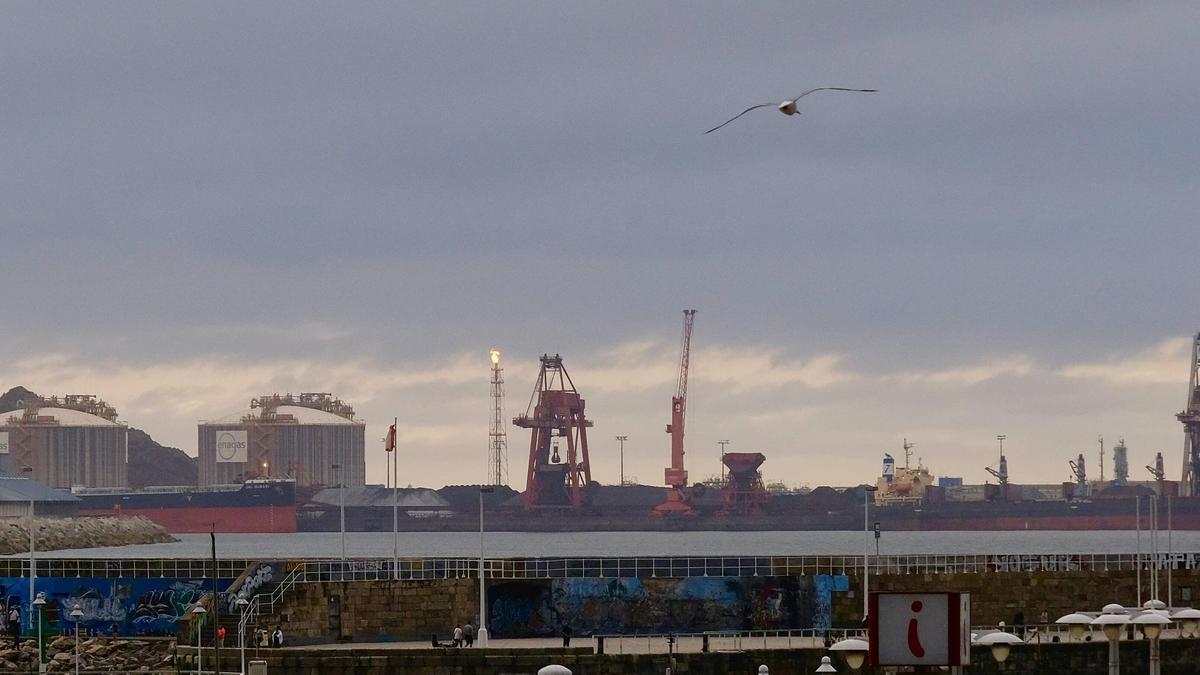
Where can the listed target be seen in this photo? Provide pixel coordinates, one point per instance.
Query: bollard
(257, 668)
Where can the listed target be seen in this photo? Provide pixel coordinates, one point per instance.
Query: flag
(389, 443)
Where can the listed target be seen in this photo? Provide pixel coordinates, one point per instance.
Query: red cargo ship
(262, 505)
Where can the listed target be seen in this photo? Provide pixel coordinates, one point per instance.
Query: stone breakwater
(55, 534)
(121, 655)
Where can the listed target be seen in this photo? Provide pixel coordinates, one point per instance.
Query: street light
(38, 602)
(854, 650)
(1189, 620)
(1151, 622)
(867, 490)
(242, 604)
(1078, 624)
(197, 613)
(342, 513)
(1112, 620)
(1000, 642)
(32, 543)
(826, 666)
(482, 634)
(76, 614)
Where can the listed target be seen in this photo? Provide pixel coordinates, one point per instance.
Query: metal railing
(372, 569)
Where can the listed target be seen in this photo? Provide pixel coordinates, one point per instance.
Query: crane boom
(676, 476)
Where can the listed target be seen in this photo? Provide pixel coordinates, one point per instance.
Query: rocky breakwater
(55, 534)
(120, 655)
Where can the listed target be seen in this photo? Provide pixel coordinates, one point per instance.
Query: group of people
(265, 638)
(464, 636)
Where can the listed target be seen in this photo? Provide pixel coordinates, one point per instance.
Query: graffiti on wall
(132, 606)
(248, 584)
(660, 605)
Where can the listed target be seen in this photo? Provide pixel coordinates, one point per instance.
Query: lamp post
(197, 613)
(1077, 623)
(77, 614)
(32, 543)
(1151, 622)
(867, 490)
(341, 513)
(1000, 642)
(1112, 619)
(38, 603)
(242, 604)
(482, 634)
(1189, 620)
(853, 650)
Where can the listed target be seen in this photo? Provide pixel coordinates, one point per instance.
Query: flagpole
(395, 503)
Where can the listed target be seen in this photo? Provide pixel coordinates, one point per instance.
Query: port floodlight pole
(621, 440)
(1170, 557)
(32, 543)
(38, 603)
(867, 490)
(342, 513)
(1137, 511)
(482, 633)
(216, 604)
(395, 454)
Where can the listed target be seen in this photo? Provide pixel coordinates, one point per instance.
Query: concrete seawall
(54, 534)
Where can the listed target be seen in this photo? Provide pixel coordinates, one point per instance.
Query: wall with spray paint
(135, 606)
(659, 605)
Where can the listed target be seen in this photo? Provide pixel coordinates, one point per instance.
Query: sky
(205, 202)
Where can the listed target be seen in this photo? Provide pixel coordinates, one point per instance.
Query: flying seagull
(787, 107)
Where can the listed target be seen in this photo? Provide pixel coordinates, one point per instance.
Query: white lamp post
(826, 666)
(77, 614)
(197, 613)
(1112, 620)
(853, 650)
(32, 541)
(867, 491)
(482, 633)
(1189, 620)
(37, 605)
(1078, 624)
(1151, 623)
(242, 604)
(1000, 642)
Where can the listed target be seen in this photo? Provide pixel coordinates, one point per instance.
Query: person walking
(277, 637)
(221, 636)
(458, 636)
(566, 634)
(14, 623)
(469, 634)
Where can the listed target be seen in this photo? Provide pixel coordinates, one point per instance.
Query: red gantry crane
(676, 475)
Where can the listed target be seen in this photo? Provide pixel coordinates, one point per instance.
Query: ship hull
(265, 506)
(222, 519)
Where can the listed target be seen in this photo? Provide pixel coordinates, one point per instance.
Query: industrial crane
(676, 475)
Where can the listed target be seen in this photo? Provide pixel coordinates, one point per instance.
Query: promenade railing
(318, 569)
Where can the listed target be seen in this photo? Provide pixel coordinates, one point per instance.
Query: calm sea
(606, 544)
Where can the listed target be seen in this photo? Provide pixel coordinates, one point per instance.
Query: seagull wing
(753, 107)
(810, 91)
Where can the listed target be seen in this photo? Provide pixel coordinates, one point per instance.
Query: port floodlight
(1111, 623)
(1077, 624)
(495, 354)
(1000, 642)
(1151, 624)
(854, 650)
(1189, 620)
(826, 666)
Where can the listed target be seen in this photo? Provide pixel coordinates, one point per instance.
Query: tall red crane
(676, 475)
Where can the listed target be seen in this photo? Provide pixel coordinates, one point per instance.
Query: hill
(150, 463)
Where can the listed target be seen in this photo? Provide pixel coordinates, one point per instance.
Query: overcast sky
(209, 201)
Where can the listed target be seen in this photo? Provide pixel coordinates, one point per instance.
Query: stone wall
(998, 596)
(54, 534)
(376, 610)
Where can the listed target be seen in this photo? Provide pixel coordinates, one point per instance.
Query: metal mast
(1189, 486)
(676, 475)
(497, 437)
